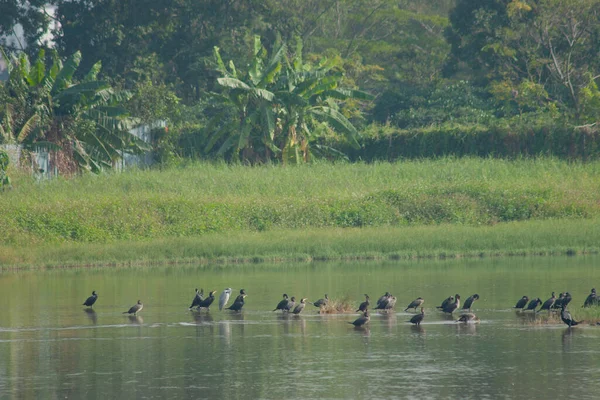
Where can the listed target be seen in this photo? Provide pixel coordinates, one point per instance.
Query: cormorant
(224, 298)
(558, 303)
(450, 308)
(566, 317)
(417, 319)
(291, 304)
(415, 303)
(238, 303)
(360, 321)
(467, 317)
(591, 300)
(522, 303)
(300, 306)
(136, 308)
(534, 303)
(283, 303)
(567, 299)
(207, 301)
(322, 302)
(445, 303)
(548, 303)
(89, 302)
(197, 298)
(383, 300)
(469, 302)
(241, 296)
(364, 305)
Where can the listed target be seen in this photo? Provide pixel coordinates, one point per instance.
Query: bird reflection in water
(135, 319)
(390, 320)
(91, 314)
(467, 329)
(202, 318)
(417, 329)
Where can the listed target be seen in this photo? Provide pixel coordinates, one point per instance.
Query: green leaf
(65, 75)
(339, 122)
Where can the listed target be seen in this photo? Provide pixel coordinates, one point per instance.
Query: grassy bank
(193, 201)
(437, 241)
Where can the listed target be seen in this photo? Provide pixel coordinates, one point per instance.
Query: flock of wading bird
(385, 303)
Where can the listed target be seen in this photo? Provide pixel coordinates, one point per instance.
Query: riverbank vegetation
(220, 211)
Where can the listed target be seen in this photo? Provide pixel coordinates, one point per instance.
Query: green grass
(437, 241)
(329, 211)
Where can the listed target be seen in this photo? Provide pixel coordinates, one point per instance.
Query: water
(51, 348)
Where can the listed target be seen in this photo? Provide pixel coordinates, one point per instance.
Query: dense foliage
(488, 77)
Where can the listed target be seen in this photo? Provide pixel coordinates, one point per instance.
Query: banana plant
(83, 121)
(282, 107)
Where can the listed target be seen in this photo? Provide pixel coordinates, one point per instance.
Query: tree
(548, 46)
(31, 16)
(282, 106)
(82, 123)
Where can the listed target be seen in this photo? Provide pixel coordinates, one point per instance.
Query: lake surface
(51, 348)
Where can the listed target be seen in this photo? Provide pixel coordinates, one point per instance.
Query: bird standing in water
(300, 306)
(566, 317)
(415, 303)
(522, 303)
(283, 303)
(224, 298)
(417, 319)
(239, 302)
(446, 303)
(362, 320)
(322, 302)
(291, 304)
(197, 298)
(207, 301)
(383, 301)
(89, 302)
(135, 308)
(364, 305)
(469, 302)
(450, 308)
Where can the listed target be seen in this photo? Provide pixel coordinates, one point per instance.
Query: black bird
(566, 317)
(322, 302)
(207, 301)
(300, 306)
(91, 300)
(591, 300)
(283, 303)
(383, 301)
(469, 302)
(135, 308)
(417, 319)
(450, 308)
(522, 303)
(197, 298)
(360, 321)
(415, 303)
(238, 303)
(364, 305)
(240, 296)
(567, 299)
(467, 317)
(291, 304)
(446, 302)
(548, 303)
(534, 303)
(558, 303)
